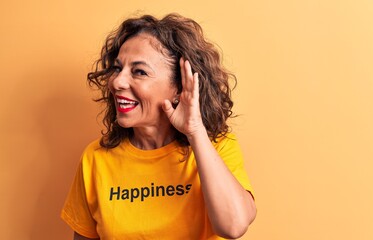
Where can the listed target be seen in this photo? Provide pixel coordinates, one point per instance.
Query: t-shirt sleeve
(230, 151)
(76, 212)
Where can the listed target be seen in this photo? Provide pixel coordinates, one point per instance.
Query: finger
(188, 75)
(182, 71)
(196, 85)
(167, 108)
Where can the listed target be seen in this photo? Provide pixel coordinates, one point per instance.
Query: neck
(152, 137)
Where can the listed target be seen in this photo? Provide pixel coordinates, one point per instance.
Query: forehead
(142, 45)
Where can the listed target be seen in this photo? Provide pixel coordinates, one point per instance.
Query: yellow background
(305, 96)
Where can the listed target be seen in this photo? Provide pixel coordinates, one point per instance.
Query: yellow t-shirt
(129, 193)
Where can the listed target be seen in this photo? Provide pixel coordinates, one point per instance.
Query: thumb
(167, 108)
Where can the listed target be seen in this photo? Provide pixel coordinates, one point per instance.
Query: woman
(167, 166)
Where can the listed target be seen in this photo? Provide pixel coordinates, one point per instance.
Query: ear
(177, 96)
(176, 100)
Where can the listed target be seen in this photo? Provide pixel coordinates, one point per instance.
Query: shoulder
(93, 150)
(93, 146)
(229, 140)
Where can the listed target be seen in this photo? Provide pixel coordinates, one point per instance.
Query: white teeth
(124, 101)
(124, 106)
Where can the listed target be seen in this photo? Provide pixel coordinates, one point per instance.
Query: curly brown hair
(180, 37)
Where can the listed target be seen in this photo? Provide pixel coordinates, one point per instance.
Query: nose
(120, 81)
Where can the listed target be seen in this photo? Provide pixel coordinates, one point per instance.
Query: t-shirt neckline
(151, 153)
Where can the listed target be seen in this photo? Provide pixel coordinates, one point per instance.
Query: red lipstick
(125, 105)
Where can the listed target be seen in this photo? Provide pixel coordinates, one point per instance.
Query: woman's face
(141, 83)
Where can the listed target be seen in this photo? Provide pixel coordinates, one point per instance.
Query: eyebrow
(135, 63)
(141, 63)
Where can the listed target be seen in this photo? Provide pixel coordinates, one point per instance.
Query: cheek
(152, 100)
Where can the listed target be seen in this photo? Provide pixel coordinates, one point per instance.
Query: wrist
(198, 133)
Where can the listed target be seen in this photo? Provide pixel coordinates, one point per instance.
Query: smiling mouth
(126, 104)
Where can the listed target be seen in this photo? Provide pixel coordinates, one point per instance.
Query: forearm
(230, 207)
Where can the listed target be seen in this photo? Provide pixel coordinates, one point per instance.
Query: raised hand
(186, 117)
(230, 202)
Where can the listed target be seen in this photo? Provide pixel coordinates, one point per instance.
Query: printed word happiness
(132, 194)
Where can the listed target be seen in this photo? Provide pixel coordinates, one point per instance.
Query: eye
(140, 72)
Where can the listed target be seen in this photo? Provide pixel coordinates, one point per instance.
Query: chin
(124, 124)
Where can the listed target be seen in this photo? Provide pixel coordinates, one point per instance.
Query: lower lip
(125, 110)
